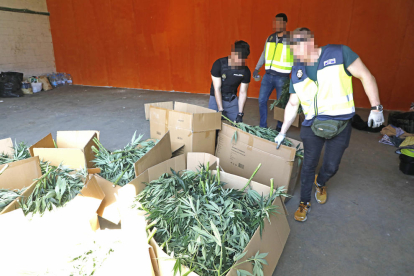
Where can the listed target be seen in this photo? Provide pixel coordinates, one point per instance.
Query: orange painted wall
(171, 45)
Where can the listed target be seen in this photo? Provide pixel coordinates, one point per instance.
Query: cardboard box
(74, 149)
(242, 158)
(167, 105)
(18, 175)
(274, 236)
(191, 125)
(279, 115)
(6, 146)
(159, 153)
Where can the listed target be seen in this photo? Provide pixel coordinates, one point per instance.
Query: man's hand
(256, 74)
(279, 139)
(375, 119)
(239, 118)
(223, 113)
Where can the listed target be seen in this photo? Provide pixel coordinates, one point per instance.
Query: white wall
(25, 39)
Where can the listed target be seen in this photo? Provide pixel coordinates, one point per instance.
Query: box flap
(195, 159)
(159, 153)
(167, 105)
(6, 146)
(175, 146)
(72, 158)
(251, 140)
(191, 108)
(108, 208)
(20, 174)
(45, 142)
(158, 121)
(15, 203)
(176, 163)
(75, 139)
(91, 194)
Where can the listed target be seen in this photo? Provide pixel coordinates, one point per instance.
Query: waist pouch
(228, 97)
(328, 129)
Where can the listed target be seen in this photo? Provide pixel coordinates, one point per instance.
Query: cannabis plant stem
(251, 177)
(271, 187)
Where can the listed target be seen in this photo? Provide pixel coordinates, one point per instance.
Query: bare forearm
(371, 89)
(291, 112)
(242, 101)
(217, 95)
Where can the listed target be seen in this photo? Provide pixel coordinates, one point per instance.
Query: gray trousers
(232, 108)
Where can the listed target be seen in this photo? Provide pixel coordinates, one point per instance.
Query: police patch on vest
(270, 38)
(223, 76)
(329, 61)
(299, 73)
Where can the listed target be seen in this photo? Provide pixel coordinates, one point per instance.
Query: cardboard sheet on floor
(18, 175)
(242, 158)
(274, 236)
(74, 149)
(191, 125)
(159, 153)
(6, 146)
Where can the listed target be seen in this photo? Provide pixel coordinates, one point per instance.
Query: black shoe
(278, 129)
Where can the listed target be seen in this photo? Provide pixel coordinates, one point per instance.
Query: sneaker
(302, 211)
(321, 194)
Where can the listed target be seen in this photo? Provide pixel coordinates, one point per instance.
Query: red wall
(171, 45)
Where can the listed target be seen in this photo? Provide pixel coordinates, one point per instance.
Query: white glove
(375, 119)
(279, 139)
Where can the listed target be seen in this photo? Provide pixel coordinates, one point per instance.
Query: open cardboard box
(191, 125)
(6, 146)
(279, 115)
(74, 149)
(242, 158)
(274, 235)
(167, 105)
(18, 175)
(159, 153)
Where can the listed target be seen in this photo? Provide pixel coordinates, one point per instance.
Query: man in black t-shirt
(227, 74)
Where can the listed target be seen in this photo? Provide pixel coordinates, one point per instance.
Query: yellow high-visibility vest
(278, 56)
(332, 93)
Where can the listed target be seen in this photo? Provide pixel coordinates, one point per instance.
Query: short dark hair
(242, 47)
(282, 15)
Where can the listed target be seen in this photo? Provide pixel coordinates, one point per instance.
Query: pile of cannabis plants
(20, 152)
(118, 166)
(203, 225)
(55, 188)
(7, 196)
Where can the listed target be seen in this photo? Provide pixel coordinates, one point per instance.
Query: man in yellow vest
(322, 83)
(278, 61)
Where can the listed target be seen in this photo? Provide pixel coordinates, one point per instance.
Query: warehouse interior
(121, 55)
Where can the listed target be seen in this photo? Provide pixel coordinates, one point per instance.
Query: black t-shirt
(231, 79)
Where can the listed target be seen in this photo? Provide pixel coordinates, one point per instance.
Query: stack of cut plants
(204, 226)
(20, 152)
(55, 188)
(118, 166)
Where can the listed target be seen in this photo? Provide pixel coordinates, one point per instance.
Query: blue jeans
(269, 82)
(232, 108)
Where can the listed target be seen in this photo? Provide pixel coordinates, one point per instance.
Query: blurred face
(303, 47)
(279, 25)
(236, 59)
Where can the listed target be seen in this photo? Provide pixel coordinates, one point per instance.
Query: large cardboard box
(18, 175)
(6, 146)
(74, 149)
(242, 158)
(159, 153)
(275, 233)
(167, 105)
(279, 115)
(191, 125)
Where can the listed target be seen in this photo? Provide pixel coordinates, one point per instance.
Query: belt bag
(328, 129)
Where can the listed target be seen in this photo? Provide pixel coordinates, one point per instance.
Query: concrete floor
(366, 227)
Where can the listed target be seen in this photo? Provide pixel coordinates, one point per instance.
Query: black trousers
(334, 149)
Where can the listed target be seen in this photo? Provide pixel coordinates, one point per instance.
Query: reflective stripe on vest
(332, 94)
(278, 57)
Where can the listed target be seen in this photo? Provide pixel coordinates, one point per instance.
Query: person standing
(322, 83)
(227, 74)
(278, 60)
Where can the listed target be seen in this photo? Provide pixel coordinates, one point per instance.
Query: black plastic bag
(402, 120)
(11, 84)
